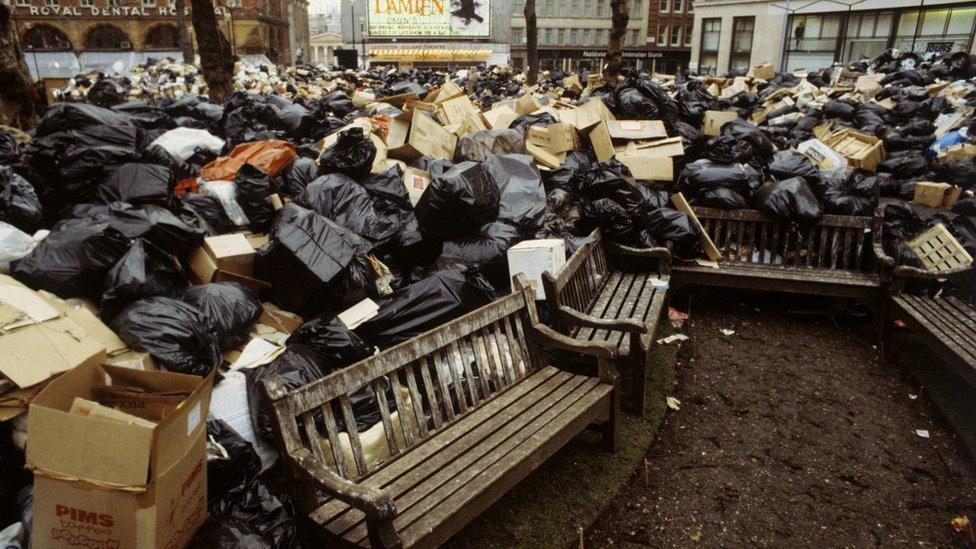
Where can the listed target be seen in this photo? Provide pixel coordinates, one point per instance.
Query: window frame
(665, 6)
(734, 55)
(702, 51)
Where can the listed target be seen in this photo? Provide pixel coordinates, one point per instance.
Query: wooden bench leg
(611, 425)
(638, 394)
(383, 534)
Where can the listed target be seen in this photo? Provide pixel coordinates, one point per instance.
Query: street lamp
(232, 5)
(352, 23)
(362, 38)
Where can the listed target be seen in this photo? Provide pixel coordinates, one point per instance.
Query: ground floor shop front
(576, 60)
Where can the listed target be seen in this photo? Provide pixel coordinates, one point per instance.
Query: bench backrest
(430, 381)
(836, 242)
(580, 280)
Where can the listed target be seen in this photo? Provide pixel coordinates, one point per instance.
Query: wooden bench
(593, 299)
(834, 257)
(947, 325)
(477, 408)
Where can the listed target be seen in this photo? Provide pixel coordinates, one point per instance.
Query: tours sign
(419, 18)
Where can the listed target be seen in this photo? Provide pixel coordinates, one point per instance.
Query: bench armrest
(552, 338)
(376, 503)
(576, 318)
(906, 271)
(881, 256)
(661, 253)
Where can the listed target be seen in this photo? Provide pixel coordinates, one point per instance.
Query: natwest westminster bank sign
(111, 11)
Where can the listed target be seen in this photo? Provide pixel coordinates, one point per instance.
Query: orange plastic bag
(271, 155)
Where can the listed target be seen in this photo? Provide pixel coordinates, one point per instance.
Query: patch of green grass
(573, 487)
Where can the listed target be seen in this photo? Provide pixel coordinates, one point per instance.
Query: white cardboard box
(534, 257)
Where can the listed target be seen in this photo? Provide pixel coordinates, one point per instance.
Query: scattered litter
(727, 332)
(674, 404)
(912, 397)
(924, 433)
(672, 338)
(677, 317)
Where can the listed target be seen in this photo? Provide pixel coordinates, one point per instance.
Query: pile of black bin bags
(94, 176)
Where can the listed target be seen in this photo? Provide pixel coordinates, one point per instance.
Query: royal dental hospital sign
(114, 11)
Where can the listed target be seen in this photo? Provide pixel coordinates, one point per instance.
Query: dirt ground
(790, 433)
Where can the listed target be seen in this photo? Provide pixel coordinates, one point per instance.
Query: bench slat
(418, 402)
(380, 394)
(946, 321)
(450, 479)
(464, 434)
(438, 373)
(353, 432)
(333, 433)
(407, 414)
(599, 307)
(504, 353)
(909, 307)
(616, 302)
(472, 393)
(519, 358)
(454, 379)
(436, 412)
(627, 310)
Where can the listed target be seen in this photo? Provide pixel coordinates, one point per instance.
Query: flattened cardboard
(602, 142)
(714, 120)
(647, 167)
(636, 129)
(526, 105)
(555, 138)
(707, 245)
(500, 117)
(359, 313)
(544, 157)
(457, 109)
(669, 147)
(427, 137)
(587, 115)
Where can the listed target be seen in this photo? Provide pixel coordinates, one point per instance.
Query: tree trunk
(531, 43)
(216, 60)
(186, 45)
(16, 92)
(614, 61)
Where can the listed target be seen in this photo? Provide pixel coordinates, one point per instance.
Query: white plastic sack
(182, 143)
(226, 192)
(16, 244)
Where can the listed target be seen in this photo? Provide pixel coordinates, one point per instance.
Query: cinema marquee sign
(114, 11)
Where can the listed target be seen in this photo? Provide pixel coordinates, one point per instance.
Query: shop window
(867, 35)
(812, 41)
(107, 37)
(45, 38)
(162, 37)
(940, 31)
(708, 52)
(741, 51)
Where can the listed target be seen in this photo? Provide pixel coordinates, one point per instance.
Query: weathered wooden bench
(947, 325)
(477, 407)
(592, 299)
(835, 257)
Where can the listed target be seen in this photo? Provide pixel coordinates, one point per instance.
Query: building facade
(574, 34)
(62, 38)
(669, 28)
(426, 33)
(732, 35)
(322, 48)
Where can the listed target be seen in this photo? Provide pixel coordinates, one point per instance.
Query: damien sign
(413, 18)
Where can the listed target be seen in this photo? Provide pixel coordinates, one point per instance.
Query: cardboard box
(861, 150)
(662, 148)
(232, 253)
(205, 268)
(500, 117)
(427, 137)
(534, 257)
(555, 138)
(416, 182)
(936, 195)
(587, 115)
(526, 105)
(869, 86)
(99, 482)
(763, 71)
(714, 120)
(636, 129)
(544, 157)
(647, 167)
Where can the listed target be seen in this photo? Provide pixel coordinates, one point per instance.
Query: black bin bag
(313, 264)
(608, 180)
(703, 176)
(790, 200)
(667, 225)
(425, 305)
(615, 224)
(253, 190)
(459, 201)
(173, 332)
(522, 199)
(73, 262)
(298, 365)
(477, 146)
(144, 271)
(139, 184)
(234, 464)
(352, 154)
(855, 194)
(339, 198)
(335, 345)
(210, 212)
(19, 204)
(787, 164)
(296, 176)
(229, 309)
(176, 232)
